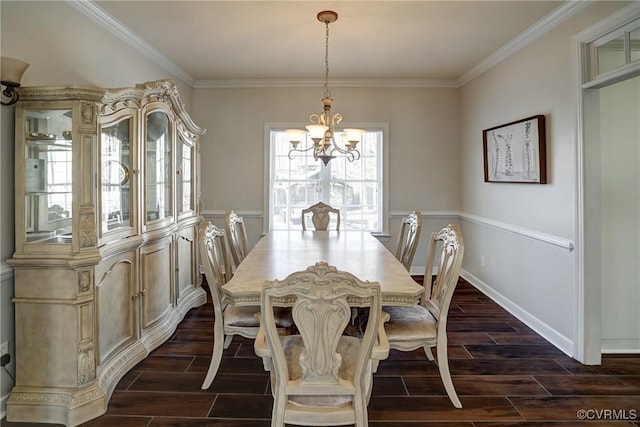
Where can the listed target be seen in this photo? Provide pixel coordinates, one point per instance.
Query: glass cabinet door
(48, 176)
(116, 168)
(158, 204)
(184, 185)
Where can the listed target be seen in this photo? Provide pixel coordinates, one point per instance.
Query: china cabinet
(106, 263)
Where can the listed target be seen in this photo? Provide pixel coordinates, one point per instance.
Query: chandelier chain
(327, 92)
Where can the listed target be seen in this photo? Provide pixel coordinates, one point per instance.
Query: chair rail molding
(426, 214)
(220, 213)
(549, 239)
(6, 271)
(555, 241)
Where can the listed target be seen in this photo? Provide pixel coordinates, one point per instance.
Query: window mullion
(291, 183)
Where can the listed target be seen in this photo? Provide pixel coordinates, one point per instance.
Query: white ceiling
(235, 40)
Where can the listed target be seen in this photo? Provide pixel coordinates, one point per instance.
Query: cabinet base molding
(56, 405)
(112, 371)
(122, 362)
(76, 406)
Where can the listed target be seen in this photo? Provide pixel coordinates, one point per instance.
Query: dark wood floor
(504, 373)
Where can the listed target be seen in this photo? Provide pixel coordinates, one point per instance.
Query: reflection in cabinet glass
(115, 160)
(158, 167)
(48, 176)
(185, 180)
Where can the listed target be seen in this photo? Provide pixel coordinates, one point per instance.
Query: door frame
(588, 335)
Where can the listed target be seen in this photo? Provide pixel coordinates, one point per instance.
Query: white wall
(423, 142)
(620, 168)
(90, 55)
(6, 244)
(526, 231)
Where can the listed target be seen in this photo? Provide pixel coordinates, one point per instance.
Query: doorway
(608, 187)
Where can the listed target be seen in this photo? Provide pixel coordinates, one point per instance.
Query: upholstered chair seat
(411, 324)
(247, 316)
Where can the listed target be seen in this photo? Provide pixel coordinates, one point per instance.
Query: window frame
(369, 126)
(590, 73)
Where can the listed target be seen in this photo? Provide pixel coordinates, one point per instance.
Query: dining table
(282, 252)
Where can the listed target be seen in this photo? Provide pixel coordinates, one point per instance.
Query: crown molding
(617, 19)
(552, 20)
(106, 21)
(289, 83)
(101, 17)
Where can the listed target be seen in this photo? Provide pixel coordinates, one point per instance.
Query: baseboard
(620, 345)
(563, 343)
(3, 406)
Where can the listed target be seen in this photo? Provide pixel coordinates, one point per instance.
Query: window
(356, 188)
(185, 178)
(158, 165)
(59, 182)
(615, 50)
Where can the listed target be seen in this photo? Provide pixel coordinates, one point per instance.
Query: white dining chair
(236, 236)
(408, 239)
(320, 216)
(321, 376)
(229, 320)
(425, 324)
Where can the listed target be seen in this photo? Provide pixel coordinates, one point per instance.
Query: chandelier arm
(290, 154)
(302, 150)
(336, 147)
(317, 119)
(350, 155)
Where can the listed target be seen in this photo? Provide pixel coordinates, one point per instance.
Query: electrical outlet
(482, 261)
(4, 348)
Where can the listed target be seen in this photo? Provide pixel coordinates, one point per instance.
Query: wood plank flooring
(504, 373)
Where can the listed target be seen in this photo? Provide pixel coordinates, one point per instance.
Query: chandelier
(322, 130)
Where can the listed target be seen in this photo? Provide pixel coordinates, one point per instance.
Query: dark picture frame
(516, 152)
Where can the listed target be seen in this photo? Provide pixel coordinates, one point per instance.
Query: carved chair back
(408, 239)
(320, 216)
(437, 297)
(237, 236)
(321, 375)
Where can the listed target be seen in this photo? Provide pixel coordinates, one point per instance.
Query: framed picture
(516, 152)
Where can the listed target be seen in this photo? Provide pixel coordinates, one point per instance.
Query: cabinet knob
(134, 296)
